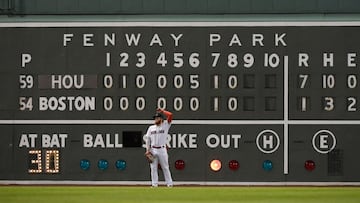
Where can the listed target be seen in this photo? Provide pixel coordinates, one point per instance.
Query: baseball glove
(149, 157)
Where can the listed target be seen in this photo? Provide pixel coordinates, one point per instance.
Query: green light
(267, 165)
(120, 164)
(103, 164)
(84, 164)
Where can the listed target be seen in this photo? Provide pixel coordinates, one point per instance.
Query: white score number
(26, 82)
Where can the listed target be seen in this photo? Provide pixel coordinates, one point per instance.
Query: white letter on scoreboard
(303, 60)
(176, 39)
(67, 38)
(351, 59)
(328, 59)
(87, 40)
(214, 38)
(257, 38)
(25, 58)
(88, 140)
(323, 141)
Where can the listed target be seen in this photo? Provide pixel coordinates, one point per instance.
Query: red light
(309, 165)
(234, 165)
(215, 165)
(179, 164)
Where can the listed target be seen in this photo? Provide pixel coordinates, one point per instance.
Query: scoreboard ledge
(176, 183)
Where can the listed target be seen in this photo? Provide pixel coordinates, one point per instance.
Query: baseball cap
(158, 115)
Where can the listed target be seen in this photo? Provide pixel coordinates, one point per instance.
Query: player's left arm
(168, 114)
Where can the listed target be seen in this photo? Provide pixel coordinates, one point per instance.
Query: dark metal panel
(142, 7)
(329, 167)
(153, 6)
(93, 6)
(111, 6)
(284, 5)
(42, 6)
(330, 6)
(262, 6)
(239, 6)
(175, 6)
(349, 5)
(217, 6)
(4, 5)
(306, 6)
(196, 7)
(67, 7)
(132, 7)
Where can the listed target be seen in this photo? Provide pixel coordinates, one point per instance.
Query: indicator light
(234, 165)
(103, 164)
(120, 164)
(309, 165)
(215, 165)
(267, 165)
(84, 164)
(180, 164)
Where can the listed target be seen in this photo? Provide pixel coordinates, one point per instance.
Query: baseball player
(156, 139)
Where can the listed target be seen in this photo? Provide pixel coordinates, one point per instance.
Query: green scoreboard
(252, 101)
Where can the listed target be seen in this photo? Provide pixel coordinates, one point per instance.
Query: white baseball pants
(161, 157)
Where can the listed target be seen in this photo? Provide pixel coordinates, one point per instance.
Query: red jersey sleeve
(168, 115)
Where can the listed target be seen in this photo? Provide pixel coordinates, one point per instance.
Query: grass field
(118, 194)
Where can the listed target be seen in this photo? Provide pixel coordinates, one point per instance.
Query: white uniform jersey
(156, 136)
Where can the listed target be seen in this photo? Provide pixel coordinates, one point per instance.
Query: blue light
(103, 164)
(84, 164)
(120, 164)
(267, 165)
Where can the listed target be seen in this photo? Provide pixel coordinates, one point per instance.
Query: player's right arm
(147, 140)
(168, 114)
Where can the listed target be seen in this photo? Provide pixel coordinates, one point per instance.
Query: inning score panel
(127, 72)
(202, 73)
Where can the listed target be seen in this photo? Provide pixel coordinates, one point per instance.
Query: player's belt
(157, 147)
